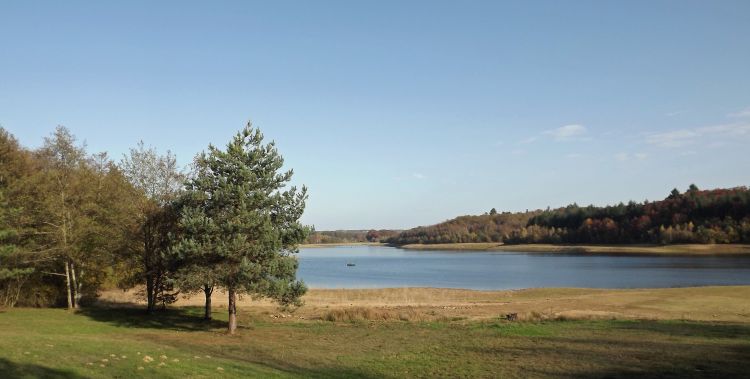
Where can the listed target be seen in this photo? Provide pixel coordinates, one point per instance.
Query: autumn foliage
(696, 216)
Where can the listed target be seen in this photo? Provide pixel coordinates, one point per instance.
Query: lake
(381, 267)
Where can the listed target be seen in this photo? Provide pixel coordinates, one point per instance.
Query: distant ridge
(697, 216)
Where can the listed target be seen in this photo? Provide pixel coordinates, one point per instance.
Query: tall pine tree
(243, 222)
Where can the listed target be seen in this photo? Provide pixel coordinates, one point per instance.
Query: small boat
(350, 264)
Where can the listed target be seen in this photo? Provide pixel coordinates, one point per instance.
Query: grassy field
(397, 333)
(690, 249)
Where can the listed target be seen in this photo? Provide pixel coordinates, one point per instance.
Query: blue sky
(397, 114)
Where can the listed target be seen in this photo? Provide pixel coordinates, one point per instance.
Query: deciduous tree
(159, 180)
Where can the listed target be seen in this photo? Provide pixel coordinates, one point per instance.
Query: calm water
(378, 267)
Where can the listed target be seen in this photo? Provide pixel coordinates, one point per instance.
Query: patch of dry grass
(399, 296)
(536, 316)
(375, 314)
(728, 304)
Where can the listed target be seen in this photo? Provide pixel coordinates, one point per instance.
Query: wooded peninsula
(717, 216)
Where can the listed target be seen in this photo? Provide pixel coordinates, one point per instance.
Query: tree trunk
(19, 285)
(75, 286)
(67, 284)
(79, 286)
(232, 310)
(147, 255)
(158, 290)
(208, 290)
(150, 294)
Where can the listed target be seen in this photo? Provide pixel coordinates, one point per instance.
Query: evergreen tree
(195, 247)
(249, 223)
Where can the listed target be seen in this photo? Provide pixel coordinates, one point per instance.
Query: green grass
(53, 343)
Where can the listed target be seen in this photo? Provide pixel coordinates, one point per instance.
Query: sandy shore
(730, 303)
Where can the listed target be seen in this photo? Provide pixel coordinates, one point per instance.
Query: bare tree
(160, 180)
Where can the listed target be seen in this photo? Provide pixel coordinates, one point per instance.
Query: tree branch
(51, 273)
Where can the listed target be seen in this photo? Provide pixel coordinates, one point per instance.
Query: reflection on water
(379, 267)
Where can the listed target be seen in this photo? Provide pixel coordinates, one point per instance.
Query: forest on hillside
(489, 227)
(695, 216)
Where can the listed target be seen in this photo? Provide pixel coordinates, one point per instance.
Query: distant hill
(350, 236)
(696, 216)
(494, 227)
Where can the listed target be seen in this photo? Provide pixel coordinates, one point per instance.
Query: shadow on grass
(319, 372)
(334, 373)
(690, 329)
(191, 319)
(180, 319)
(12, 370)
(643, 349)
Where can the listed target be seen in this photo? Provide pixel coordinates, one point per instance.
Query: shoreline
(680, 249)
(708, 303)
(339, 244)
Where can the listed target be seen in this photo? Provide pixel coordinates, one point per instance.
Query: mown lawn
(104, 343)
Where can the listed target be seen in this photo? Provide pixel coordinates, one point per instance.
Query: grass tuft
(355, 314)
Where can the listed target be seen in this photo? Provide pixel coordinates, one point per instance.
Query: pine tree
(194, 249)
(248, 223)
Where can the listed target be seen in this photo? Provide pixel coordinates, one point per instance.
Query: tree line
(489, 227)
(72, 223)
(350, 236)
(695, 216)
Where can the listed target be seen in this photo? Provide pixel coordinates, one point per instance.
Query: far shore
(683, 249)
(316, 245)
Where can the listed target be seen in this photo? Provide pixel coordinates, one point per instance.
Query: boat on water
(351, 264)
